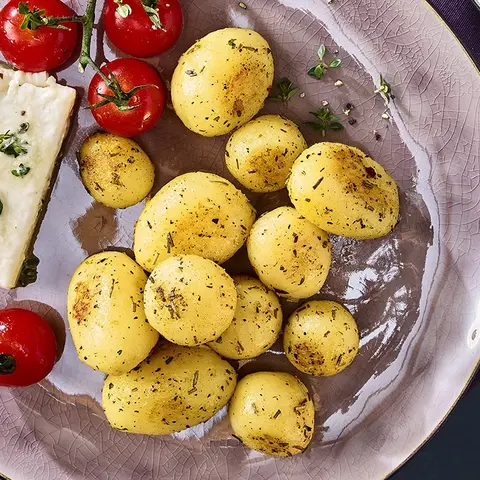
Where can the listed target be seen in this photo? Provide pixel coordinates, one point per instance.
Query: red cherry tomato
(28, 347)
(43, 48)
(135, 33)
(149, 102)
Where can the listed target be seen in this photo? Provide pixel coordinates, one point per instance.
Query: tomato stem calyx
(35, 18)
(7, 364)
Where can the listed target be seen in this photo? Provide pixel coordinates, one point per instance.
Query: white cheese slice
(37, 100)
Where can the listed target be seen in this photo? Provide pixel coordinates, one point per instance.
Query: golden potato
(272, 413)
(115, 170)
(289, 254)
(190, 300)
(196, 213)
(260, 154)
(222, 81)
(173, 389)
(105, 313)
(343, 191)
(257, 322)
(321, 338)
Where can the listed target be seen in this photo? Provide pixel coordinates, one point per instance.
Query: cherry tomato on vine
(30, 46)
(28, 348)
(134, 101)
(143, 28)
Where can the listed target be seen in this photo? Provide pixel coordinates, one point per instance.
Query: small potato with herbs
(115, 170)
(196, 213)
(260, 154)
(190, 300)
(173, 389)
(257, 322)
(105, 313)
(221, 82)
(343, 191)
(272, 413)
(321, 338)
(289, 254)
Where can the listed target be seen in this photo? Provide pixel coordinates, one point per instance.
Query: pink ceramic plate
(415, 293)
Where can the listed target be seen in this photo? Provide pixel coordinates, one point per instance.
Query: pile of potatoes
(164, 337)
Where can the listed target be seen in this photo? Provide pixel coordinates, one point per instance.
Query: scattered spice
(194, 382)
(377, 135)
(277, 413)
(1, 207)
(242, 5)
(338, 83)
(347, 109)
(302, 95)
(385, 116)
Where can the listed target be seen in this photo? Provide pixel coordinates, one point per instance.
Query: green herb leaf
(384, 90)
(335, 63)
(20, 171)
(232, 43)
(322, 51)
(28, 273)
(11, 145)
(326, 121)
(286, 90)
(317, 72)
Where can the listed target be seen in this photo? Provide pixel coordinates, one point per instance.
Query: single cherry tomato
(28, 348)
(32, 47)
(136, 111)
(143, 28)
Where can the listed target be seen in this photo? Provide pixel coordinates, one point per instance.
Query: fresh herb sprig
(384, 90)
(318, 71)
(326, 121)
(286, 90)
(28, 273)
(20, 171)
(12, 145)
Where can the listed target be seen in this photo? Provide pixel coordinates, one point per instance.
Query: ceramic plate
(415, 293)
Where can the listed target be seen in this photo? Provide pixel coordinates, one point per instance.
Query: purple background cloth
(463, 17)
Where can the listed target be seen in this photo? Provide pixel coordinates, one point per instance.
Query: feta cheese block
(34, 119)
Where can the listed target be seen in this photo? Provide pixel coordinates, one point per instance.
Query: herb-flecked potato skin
(272, 412)
(190, 300)
(289, 254)
(106, 315)
(257, 322)
(196, 213)
(321, 338)
(115, 170)
(222, 81)
(343, 191)
(173, 389)
(260, 154)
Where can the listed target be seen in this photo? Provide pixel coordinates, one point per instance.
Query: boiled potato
(115, 170)
(105, 313)
(321, 338)
(196, 213)
(343, 191)
(222, 81)
(260, 154)
(190, 300)
(272, 413)
(173, 389)
(289, 254)
(257, 322)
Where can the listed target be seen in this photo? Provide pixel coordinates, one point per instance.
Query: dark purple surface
(463, 17)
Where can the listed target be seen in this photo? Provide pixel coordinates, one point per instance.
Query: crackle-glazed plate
(415, 293)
